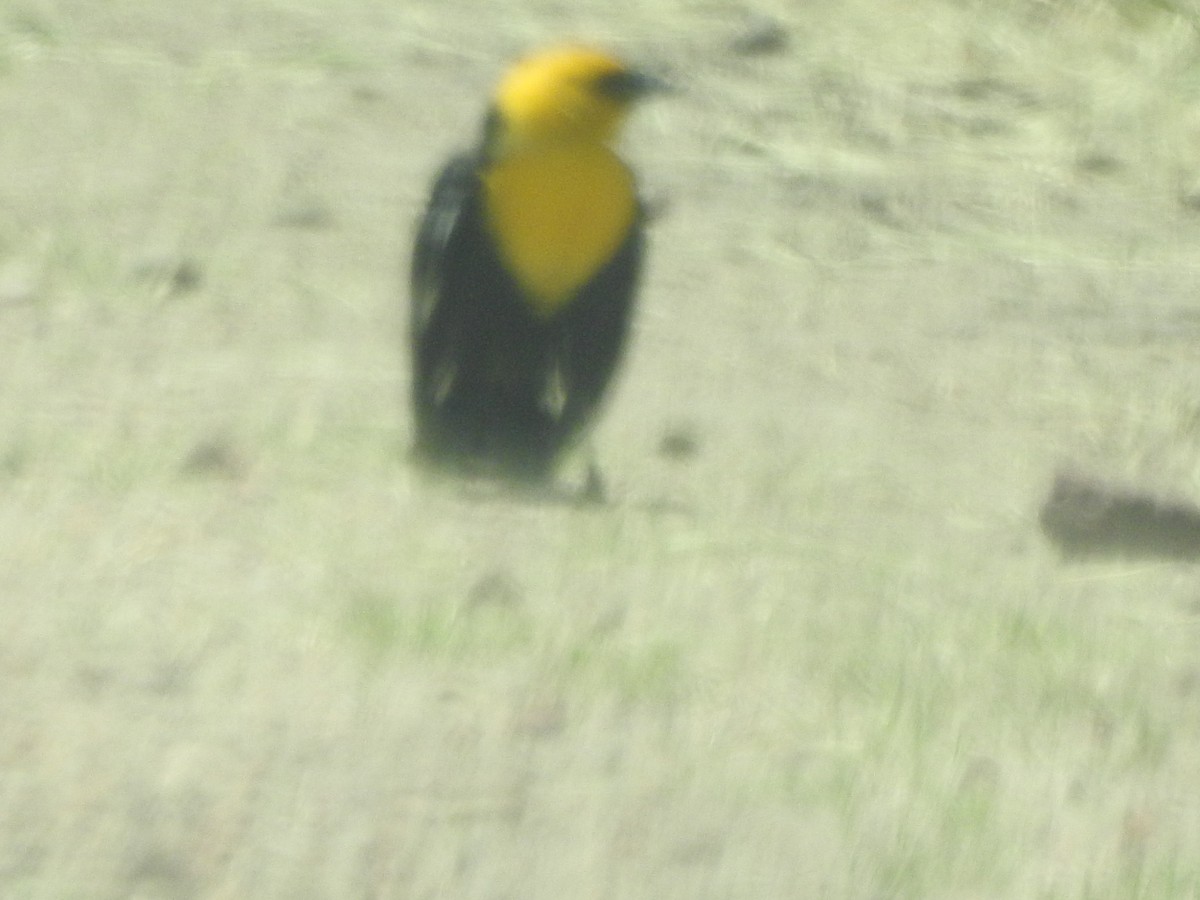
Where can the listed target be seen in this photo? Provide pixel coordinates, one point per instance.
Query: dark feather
(496, 388)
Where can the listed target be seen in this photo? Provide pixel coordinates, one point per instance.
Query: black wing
(443, 240)
(595, 328)
(479, 352)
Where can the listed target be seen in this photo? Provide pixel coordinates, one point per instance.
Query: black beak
(631, 85)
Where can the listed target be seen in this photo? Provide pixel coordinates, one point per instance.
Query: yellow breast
(558, 215)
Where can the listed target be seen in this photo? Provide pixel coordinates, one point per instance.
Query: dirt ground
(910, 260)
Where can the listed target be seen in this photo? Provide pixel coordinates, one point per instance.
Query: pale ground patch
(907, 265)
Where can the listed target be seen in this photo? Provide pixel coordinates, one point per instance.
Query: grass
(248, 651)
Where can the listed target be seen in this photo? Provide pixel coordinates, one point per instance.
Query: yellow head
(565, 95)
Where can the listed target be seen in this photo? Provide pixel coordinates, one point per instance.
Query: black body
(496, 388)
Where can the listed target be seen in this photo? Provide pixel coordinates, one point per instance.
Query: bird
(524, 270)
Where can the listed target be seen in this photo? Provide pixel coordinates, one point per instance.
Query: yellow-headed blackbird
(524, 270)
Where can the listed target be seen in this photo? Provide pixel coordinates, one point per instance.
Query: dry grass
(909, 264)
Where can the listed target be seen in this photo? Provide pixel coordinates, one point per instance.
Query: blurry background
(911, 258)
